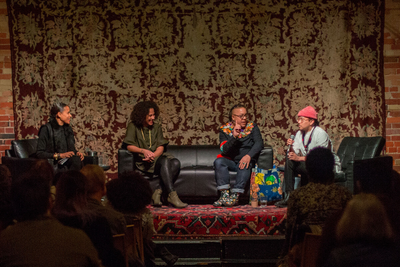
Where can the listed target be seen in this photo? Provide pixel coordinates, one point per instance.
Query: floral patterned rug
(208, 222)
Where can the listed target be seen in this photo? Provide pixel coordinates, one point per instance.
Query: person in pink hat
(309, 136)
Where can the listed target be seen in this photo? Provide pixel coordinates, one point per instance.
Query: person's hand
(80, 155)
(236, 129)
(293, 156)
(244, 162)
(67, 154)
(148, 155)
(290, 142)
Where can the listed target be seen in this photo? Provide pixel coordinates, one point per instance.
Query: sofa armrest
(266, 158)
(126, 161)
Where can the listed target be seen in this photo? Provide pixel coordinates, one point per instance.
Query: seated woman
(130, 194)
(56, 140)
(145, 139)
(240, 143)
(70, 208)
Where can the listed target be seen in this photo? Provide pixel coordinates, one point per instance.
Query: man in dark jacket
(240, 144)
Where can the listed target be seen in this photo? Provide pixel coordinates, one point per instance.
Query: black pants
(292, 169)
(168, 169)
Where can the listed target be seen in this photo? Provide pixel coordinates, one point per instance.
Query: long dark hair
(141, 109)
(71, 196)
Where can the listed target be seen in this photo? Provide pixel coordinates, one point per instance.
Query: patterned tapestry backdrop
(195, 59)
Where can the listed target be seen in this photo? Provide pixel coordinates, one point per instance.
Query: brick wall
(6, 98)
(392, 80)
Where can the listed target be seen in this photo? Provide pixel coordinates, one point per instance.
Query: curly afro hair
(141, 109)
(130, 193)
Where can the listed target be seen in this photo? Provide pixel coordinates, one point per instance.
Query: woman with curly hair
(144, 138)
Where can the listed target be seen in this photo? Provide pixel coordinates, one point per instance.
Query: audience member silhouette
(372, 176)
(96, 190)
(71, 209)
(130, 194)
(37, 239)
(311, 205)
(364, 235)
(6, 211)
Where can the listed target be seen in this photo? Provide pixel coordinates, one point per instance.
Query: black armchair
(356, 148)
(22, 156)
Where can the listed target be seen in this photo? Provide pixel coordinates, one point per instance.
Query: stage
(209, 222)
(204, 235)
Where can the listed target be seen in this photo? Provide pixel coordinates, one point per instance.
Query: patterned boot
(233, 200)
(222, 199)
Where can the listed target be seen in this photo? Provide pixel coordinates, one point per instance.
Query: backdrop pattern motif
(195, 59)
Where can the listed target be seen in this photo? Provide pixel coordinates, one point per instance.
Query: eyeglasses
(301, 119)
(242, 116)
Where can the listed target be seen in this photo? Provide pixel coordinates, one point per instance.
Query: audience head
(96, 179)
(130, 193)
(319, 164)
(141, 110)
(5, 177)
(6, 210)
(364, 219)
(30, 197)
(374, 175)
(71, 194)
(44, 169)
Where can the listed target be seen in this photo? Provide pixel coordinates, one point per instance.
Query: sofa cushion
(195, 155)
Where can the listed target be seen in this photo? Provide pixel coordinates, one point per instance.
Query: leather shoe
(174, 200)
(156, 198)
(283, 202)
(169, 258)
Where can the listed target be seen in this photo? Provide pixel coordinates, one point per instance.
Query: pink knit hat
(308, 112)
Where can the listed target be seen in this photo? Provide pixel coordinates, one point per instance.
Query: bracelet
(141, 151)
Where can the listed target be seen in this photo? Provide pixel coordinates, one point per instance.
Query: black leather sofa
(196, 181)
(21, 157)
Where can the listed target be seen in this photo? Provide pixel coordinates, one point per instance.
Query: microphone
(290, 146)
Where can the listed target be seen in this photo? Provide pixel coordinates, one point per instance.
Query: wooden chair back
(134, 239)
(310, 250)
